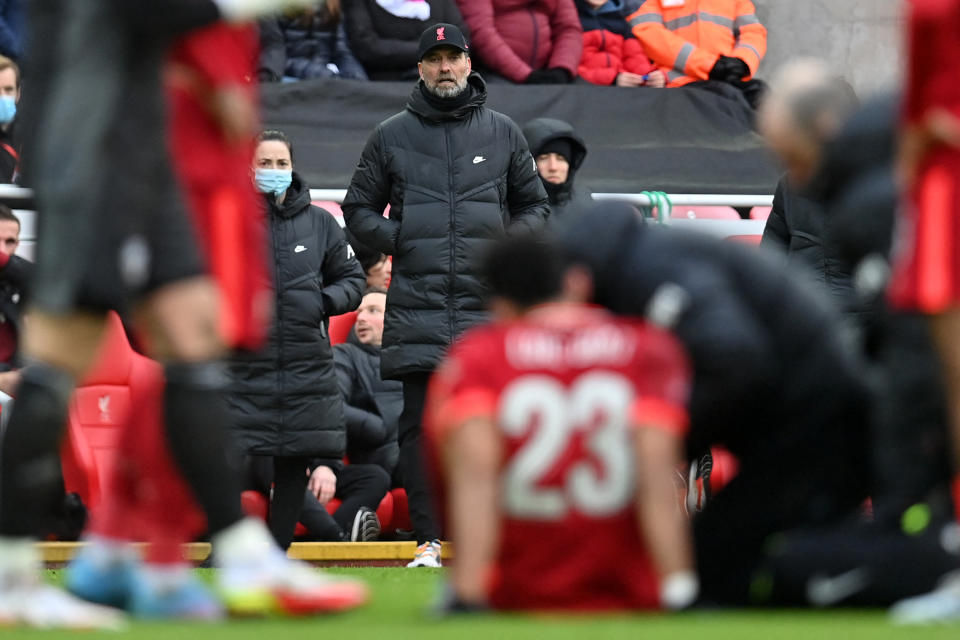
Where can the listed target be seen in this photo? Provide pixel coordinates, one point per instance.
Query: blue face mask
(275, 181)
(8, 109)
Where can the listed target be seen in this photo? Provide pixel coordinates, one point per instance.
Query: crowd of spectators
(624, 43)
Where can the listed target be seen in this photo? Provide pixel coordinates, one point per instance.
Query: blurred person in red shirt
(926, 276)
(926, 272)
(214, 120)
(560, 427)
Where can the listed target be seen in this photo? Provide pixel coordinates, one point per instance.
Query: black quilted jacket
(284, 397)
(455, 181)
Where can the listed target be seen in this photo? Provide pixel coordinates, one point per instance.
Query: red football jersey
(565, 385)
(933, 58)
(926, 273)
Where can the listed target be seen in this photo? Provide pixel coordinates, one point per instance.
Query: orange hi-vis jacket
(686, 37)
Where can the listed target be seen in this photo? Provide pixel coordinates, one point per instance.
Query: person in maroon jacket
(525, 41)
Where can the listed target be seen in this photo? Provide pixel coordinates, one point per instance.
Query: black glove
(549, 76)
(729, 69)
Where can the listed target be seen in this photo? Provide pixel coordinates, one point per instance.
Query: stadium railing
(20, 199)
(722, 228)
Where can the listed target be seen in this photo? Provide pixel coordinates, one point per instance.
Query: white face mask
(8, 109)
(275, 181)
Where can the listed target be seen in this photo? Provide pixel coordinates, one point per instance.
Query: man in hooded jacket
(457, 176)
(559, 152)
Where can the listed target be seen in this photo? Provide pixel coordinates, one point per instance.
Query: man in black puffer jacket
(559, 152)
(285, 399)
(457, 176)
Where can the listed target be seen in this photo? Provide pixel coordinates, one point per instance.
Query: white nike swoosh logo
(478, 159)
(823, 591)
(299, 248)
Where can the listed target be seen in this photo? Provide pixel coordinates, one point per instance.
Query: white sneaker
(428, 555)
(256, 578)
(44, 606)
(940, 605)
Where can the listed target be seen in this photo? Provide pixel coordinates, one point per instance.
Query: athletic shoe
(104, 581)
(44, 606)
(287, 587)
(256, 578)
(698, 483)
(184, 599)
(366, 526)
(940, 605)
(428, 555)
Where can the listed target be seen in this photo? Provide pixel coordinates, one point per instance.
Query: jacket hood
(419, 105)
(601, 239)
(612, 6)
(298, 198)
(540, 131)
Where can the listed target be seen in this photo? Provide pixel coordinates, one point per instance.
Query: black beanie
(560, 146)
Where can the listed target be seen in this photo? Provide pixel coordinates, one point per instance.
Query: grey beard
(449, 92)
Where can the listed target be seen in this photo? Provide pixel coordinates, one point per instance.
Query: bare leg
(180, 320)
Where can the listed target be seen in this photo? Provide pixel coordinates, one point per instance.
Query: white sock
(165, 577)
(103, 551)
(244, 543)
(19, 560)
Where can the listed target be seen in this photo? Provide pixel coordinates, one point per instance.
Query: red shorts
(926, 269)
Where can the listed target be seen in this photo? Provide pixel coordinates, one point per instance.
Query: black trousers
(287, 477)
(358, 485)
(861, 565)
(413, 471)
(910, 442)
(813, 471)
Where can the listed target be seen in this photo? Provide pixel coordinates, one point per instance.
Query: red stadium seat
(401, 511)
(98, 412)
(760, 213)
(331, 206)
(705, 213)
(725, 468)
(340, 327)
(752, 238)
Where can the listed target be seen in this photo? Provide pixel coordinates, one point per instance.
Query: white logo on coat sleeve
(478, 159)
(299, 248)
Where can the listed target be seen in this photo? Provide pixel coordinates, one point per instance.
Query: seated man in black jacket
(371, 405)
(372, 409)
(15, 275)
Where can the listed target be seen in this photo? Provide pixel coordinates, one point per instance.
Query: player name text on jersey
(532, 348)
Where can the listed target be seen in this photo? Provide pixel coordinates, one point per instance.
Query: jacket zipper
(603, 47)
(279, 311)
(453, 232)
(536, 38)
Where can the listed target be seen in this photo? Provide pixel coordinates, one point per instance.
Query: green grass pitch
(399, 611)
